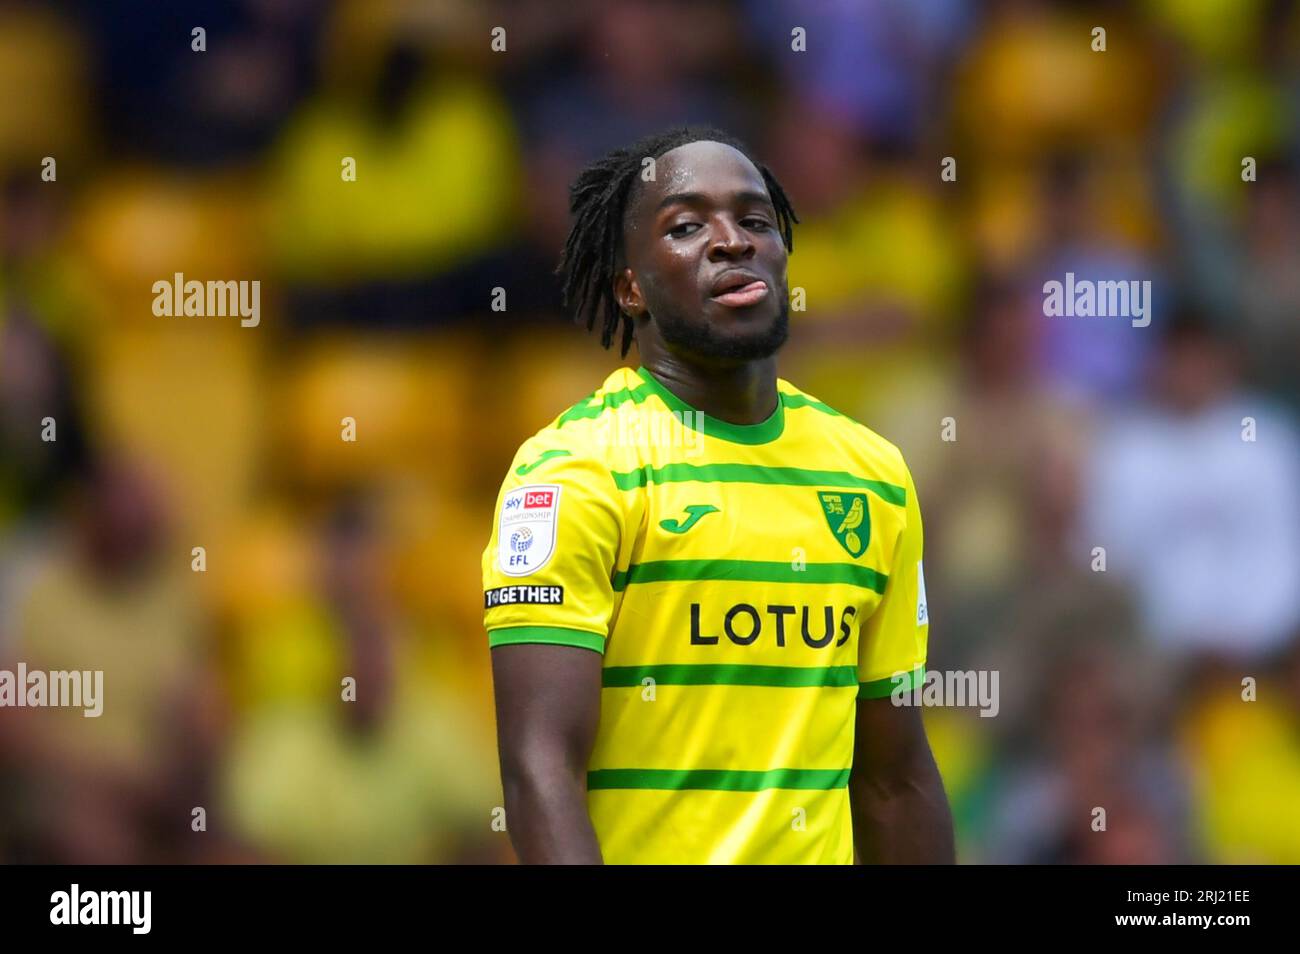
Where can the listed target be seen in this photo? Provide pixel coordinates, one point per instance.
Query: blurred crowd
(1112, 511)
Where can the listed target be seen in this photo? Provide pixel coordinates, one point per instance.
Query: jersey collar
(762, 433)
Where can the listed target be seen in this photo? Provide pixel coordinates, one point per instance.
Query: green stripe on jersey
(720, 780)
(547, 455)
(755, 474)
(724, 674)
(749, 571)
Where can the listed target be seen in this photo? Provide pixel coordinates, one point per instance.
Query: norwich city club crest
(849, 518)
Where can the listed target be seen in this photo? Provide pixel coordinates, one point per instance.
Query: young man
(703, 585)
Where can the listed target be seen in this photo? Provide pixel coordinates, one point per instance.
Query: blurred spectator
(878, 270)
(387, 770)
(161, 97)
(1245, 264)
(1001, 480)
(1241, 735)
(1193, 496)
(1098, 788)
(34, 387)
(874, 65)
(119, 787)
(422, 175)
(1096, 359)
(1268, 281)
(43, 65)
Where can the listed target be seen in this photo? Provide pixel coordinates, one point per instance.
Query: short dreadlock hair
(593, 252)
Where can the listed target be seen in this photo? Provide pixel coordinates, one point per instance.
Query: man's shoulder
(575, 437)
(622, 386)
(806, 411)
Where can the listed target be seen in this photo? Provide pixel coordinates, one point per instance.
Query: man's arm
(900, 810)
(548, 709)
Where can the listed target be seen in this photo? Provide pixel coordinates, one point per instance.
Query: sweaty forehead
(709, 168)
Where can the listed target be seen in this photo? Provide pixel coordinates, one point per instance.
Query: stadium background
(325, 559)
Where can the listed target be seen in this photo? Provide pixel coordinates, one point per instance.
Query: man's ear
(628, 293)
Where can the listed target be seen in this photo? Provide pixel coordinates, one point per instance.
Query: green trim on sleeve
(882, 688)
(551, 635)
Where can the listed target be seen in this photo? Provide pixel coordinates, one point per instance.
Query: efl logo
(526, 535)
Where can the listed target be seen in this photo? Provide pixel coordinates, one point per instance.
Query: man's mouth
(738, 293)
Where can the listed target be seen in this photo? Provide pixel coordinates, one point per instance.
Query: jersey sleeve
(549, 565)
(891, 654)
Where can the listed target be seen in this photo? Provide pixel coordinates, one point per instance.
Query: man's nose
(730, 240)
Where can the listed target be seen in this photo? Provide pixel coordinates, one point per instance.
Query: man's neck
(738, 394)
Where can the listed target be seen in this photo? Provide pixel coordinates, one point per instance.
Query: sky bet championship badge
(527, 537)
(850, 520)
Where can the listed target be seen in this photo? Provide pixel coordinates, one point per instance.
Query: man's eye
(758, 225)
(681, 231)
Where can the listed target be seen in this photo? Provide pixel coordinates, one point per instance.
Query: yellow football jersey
(746, 584)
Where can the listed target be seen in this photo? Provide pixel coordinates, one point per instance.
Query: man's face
(705, 265)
